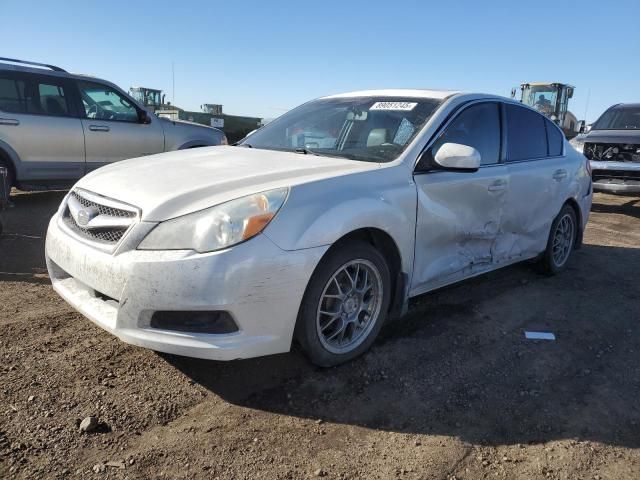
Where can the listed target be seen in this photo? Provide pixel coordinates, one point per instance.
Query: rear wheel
(345, 304)
(562, 239)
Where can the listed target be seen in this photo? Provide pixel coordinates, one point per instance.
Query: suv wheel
(345, 304)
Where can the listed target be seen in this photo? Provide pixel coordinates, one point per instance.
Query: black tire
(306, 332)
(549, 261)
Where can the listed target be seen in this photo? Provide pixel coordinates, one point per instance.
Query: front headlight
(218, 227)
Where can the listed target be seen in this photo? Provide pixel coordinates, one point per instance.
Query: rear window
(12, 98)
(555, 139)
(526, 134)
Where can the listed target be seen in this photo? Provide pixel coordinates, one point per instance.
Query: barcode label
(403, 106)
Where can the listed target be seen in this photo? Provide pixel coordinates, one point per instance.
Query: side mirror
(582, 127)
(144, 117)
(456, 156)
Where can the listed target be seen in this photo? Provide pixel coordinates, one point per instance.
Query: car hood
(176, 183)
(613, 136)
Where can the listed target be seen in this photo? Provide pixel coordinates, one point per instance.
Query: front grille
(105, 223)
(612, 152)
(616, 175)
(103, 209)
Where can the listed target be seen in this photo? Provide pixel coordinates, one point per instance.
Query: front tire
(345, 304)
(561, 242)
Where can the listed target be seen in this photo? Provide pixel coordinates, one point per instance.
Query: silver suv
(55, 126)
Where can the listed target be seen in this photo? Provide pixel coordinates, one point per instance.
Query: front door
(112, 127)
(459, 214)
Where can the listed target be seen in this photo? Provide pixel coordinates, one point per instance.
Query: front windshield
(621, 118)
(540, 97)
(372, 129)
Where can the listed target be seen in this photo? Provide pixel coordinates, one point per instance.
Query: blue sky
(262, 58)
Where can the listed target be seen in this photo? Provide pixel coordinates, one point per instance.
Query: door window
(555, 139)
(31, 94)
(12, 95)
(52, 100)
(477, 126)
(526, 134)
(104, 103)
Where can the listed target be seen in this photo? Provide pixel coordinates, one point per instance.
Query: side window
(12, 99)
(52, 100)
(104, 103)
(526, 135)
(555, 139)
(477, 126)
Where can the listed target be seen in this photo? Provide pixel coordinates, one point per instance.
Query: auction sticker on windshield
(404, 106)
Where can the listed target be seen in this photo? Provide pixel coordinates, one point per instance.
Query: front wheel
(562, 239)
(345, 304)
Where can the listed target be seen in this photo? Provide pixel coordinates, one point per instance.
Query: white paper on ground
(539, 335)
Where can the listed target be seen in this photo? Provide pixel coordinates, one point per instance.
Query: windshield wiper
(246, 145)
(306, 151)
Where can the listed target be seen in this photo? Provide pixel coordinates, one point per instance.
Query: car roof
(43, 69)
(627, 105)
(398, 92)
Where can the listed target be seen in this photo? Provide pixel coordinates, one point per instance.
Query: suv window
(526, 135)
(52, 100)
(29, 94)
(12, 95)
(104, 103)
(477, 126)
(555, 139)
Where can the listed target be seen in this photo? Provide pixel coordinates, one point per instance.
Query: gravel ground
(452, 391)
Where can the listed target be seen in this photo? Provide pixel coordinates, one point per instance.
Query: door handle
(98, 128)
(497, 186)
(9, 121)
(559, 174)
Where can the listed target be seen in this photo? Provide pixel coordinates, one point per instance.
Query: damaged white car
(318, 227)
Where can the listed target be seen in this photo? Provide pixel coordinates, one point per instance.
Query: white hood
(172, 184)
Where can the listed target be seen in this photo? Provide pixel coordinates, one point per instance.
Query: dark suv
(613, 148)
(55, 126)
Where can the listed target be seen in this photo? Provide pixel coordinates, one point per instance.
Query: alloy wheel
(349, 306)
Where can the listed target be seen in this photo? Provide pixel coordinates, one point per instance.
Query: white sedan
(318, 227)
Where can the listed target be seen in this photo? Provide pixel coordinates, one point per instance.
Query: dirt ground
(452, 391)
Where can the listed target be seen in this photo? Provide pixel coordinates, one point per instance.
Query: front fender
(320, 213)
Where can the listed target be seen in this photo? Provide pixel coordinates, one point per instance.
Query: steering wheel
(93, 111)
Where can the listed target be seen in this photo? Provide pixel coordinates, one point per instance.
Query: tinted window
(526, 136)
(12, 95)
(52, 100)
(27, 94)
(477, 126)
(555, 139)
(104, 103)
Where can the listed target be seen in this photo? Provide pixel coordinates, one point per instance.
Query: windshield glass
(621, 118)
(372, 129)
(540, 97)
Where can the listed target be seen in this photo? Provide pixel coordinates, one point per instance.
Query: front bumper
(615, 177)
(257, 283)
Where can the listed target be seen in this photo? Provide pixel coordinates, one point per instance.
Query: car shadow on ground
(630, 207)
(23, 236)
(458, 364)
